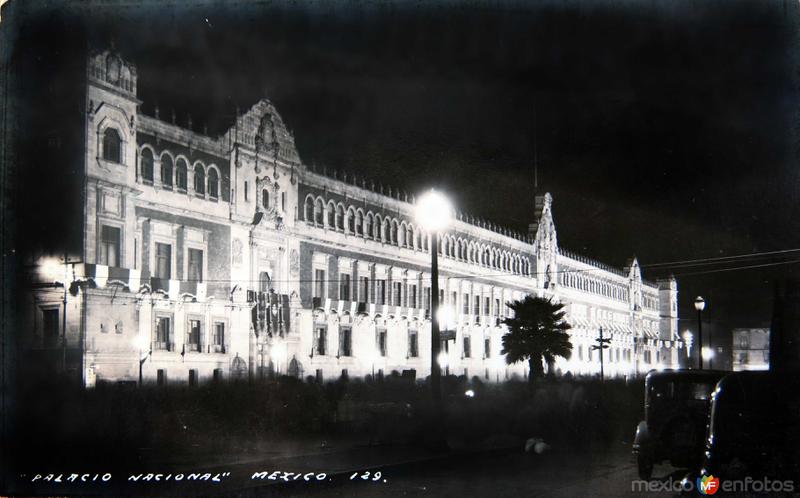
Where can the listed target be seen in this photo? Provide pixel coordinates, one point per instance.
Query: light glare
(434, 211)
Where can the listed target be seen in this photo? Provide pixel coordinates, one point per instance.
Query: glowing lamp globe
(434, 211)
(699, 304)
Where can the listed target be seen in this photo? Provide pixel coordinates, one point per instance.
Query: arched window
(339, 218)
(181, 175)
(166, 171)
(199, 181)
(319, 213)
(213, 183)
(264, 281)
(147, 165)
(377, 228)
(395, 232)
(265, 198)
(351, 221)
(331, 216)
(308, 210)
(409, 237)
(358, 222)
(112, 146)
(368, 226)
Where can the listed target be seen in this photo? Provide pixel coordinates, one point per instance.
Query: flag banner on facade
(274, 313)
(174, 289)
(327, 304)
(254, 318)
(286, 313)
(101, 275)
(372, 309)
(340, 309)
(353, 308)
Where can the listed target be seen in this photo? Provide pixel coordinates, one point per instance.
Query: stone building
(223, 257)
(750, 349)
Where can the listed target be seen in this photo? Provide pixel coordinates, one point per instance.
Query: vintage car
(754, 427)
(676, 408)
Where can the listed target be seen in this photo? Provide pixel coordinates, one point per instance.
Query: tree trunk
(535, 368)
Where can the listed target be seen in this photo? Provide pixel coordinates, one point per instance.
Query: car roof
(675, 374)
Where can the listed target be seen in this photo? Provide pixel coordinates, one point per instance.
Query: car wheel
(645, 466)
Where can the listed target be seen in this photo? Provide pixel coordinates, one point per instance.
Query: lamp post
(141, 343)
(434, 214)
(699, 305)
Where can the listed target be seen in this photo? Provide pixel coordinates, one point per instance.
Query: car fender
(642, 438)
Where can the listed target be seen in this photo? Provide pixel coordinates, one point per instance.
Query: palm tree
(537, 332)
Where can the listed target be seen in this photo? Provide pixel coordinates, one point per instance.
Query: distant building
(750, 349)
(222, 257)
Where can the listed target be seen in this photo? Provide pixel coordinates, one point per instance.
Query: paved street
(507, 473)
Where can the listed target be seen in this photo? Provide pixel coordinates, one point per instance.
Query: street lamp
(141, 343)
(434, 214)
(699, 305)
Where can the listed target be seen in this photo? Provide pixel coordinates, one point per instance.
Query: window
(50, 327)
(744, 341)
(217, 375)
(213, 183)
(397, 293)
(358, 222)
(195, 265)
(193, 336)
(219, 337)
(109, 246)
(467, 347)
(363, 294)
(181, 174)
(346, 344)
(318, 213)
(487, 348)
(193, 377)
(497, 307)
(247, 193)
(344, 287)
(380, 291)
(163, 333)
(486, 303)
(199, 181)
(331, 216)
(147, 165)
(368, 226)
(265, 198)
(382, 342)
(320, 339)
(413, 344)
(264, 282)
(476, 301)
(427, 298)
(319, 283)
(163, 261)
(465, 305)
(166, 171)
(112, 146)
(340, 218)
(412, 296)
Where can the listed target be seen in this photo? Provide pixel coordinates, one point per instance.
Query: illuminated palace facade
(227, 257)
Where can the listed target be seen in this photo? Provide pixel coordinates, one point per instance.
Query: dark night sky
(663, 129)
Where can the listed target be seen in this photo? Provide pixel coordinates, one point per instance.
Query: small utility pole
(600, 346)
